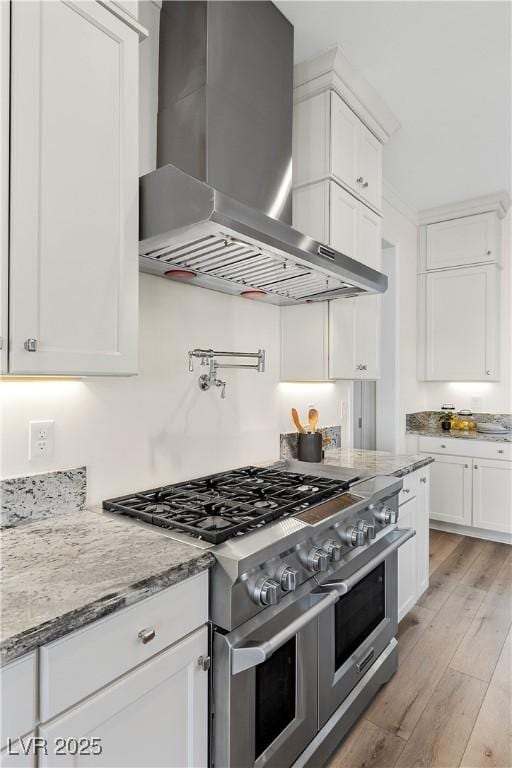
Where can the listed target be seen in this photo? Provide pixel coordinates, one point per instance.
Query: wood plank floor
(449, 703)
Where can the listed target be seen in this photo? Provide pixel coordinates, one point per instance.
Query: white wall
(402, 233)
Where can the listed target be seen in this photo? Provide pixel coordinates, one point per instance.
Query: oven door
(265, 683)
(361, 623)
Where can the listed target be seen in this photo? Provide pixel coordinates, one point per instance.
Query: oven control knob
(353, 536)
(387, 516)
(333, 549)
(367, 528)
(288, 578)
(318, 560)
(265, 592)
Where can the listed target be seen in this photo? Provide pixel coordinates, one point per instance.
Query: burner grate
(218, 507)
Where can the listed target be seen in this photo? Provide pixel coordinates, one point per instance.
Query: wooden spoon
(313, 418)
(296, 420)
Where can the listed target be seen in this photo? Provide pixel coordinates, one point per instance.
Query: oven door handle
(399, 536)
(249, 655)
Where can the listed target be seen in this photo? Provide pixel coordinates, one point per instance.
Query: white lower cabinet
(407, 560)
(470, 487)
(157, 715)
(451, 489)
(492, 495)
(413, 556)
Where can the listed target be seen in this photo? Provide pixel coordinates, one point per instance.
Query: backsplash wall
(158, 427)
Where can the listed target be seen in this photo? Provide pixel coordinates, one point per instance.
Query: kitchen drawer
(409, 488)
(459, 447)
(18, 684)
(80, 663)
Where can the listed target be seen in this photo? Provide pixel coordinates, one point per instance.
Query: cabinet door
(342, 319)
(407, 560)
(461, 309)
(311, 210)
(344, 220)
(155, 716)
(492, 495)
(304, 342)
(74, 190)
(345, 127)
(451, 489)
(369, 237)
(422, 529)
(311, 128)
(370, 168)
(367, 337)
(460, 242)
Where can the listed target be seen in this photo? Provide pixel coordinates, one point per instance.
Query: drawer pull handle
(146, 635)
(500, 451)
(466, 466)
(443, 446)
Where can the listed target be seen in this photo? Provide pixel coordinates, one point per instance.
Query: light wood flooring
(449, 703)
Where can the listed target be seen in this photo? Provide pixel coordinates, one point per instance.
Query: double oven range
(303, 601)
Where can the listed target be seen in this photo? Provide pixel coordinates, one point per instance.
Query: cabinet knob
(406, 490)
(443, 445)
(423, 479)
(146, 635)
(500, 450)
(30, 345)
(488, 373)
(466, 466)
(365, 185)
(489, 253)
(360, 180)
(204, 662)
(476, 466)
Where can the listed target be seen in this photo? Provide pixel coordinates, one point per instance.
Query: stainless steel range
(303, 601)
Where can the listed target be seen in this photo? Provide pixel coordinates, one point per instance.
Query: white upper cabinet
(354, 338)
(459, 331)
(74, 190)
(370, 167)
(304, 342)
(460, 242)
(331, 141)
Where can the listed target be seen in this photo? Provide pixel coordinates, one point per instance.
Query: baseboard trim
(476, 533)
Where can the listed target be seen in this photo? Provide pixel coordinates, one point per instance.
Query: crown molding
(499, 202)
(331, 70)
(395, 200)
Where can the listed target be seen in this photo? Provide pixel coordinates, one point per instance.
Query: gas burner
(266, 504)
(228, 504)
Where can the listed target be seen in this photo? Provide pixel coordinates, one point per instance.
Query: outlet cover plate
(41, 440)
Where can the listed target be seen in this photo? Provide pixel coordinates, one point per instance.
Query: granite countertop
(470, 434)
(61, 573)
(376, 462)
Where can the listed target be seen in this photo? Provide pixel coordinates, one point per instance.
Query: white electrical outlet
(41, 439)
(476, 403)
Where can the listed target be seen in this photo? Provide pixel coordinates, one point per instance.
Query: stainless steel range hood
(218, 207)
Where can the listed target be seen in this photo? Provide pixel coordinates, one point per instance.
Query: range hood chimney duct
(218, 207)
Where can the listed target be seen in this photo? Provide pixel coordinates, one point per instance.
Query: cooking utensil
(313, 418)
(296, 421)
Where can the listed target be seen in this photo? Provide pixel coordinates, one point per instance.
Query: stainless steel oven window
(276, 690)
(358, 614)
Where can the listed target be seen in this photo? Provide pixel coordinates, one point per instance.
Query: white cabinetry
(450, 495)
(74, 190)
(304, 342)
(413, 556)
(4, 178)
(156, 715)
(459, 292)
(459, 324)
(354, 338)
(462, 242)
(471, 489)
(331, 141)
(492, 495)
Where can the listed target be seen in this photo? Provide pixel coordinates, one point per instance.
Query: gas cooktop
(218, 507)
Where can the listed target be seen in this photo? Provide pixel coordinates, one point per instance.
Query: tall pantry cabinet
(337, 198)
(73, 217)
